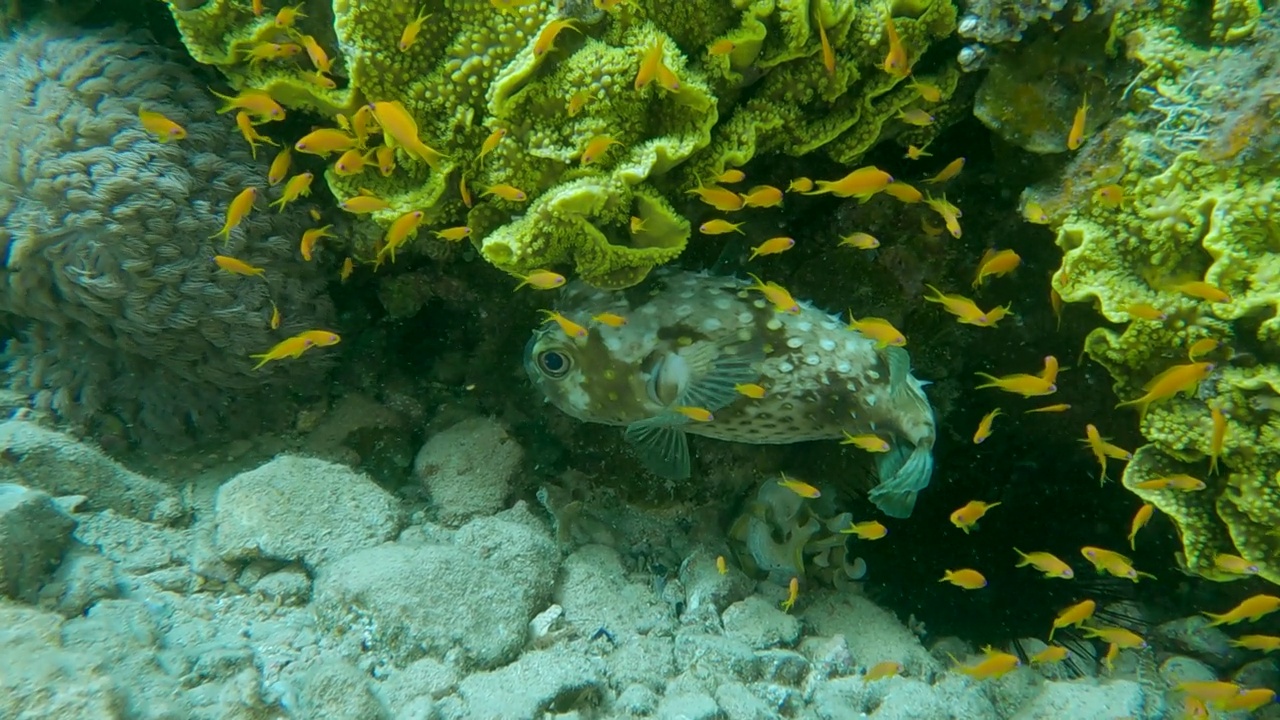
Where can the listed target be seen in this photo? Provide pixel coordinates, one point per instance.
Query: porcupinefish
(690, 339)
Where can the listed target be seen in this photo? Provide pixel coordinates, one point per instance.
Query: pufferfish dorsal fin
(714, 369)
(661, 444)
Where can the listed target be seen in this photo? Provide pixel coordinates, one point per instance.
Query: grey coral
(108, 283)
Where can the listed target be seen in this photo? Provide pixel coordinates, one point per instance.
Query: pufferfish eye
(553, 363)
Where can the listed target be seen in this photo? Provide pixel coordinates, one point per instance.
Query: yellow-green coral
(1200, 188)
(473, 70)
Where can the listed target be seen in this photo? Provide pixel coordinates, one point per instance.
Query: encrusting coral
(1188, 254)
(119, 312)
(512, 99)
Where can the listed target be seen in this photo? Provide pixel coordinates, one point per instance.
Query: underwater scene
(604, 359)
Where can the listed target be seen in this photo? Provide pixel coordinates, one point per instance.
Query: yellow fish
(1252, 609)
(237, 266)
(298, 186)
(1075, 136)
(750, 390)
(868, 442)
(719, 227)
(951, 170)
(878, 329)
(984, 427)
(1179, 378)
(164, 129)
(1140, 520)
(410, 33)
(596, 148)
(236, 211)
(965, 578)
(541, 280)
(1074, 616)
(996, 263)
(859, 241)
(776, 294)
(800, 487)
(969, 515)
(993, 665)
(399, 125)
(867, 530)
(772, 246)
(1019, 383)
(294, 347)
(325, 141)
(1047, 563)
(570, 328)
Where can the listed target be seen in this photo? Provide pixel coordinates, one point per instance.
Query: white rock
(296, 508)
(34, 534)
(760, 624)
(1086, 699)
(540, 681)
(467, 469)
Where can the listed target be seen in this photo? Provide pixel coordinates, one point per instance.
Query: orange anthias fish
(541, 280)
(294, 347)
(236, 211)
(361, 204)
(310, 238)
(887, 668)
(867, 530)
(1261, 643)
(1179, 378)
(751, 390)
(722, 199)
(860, 241)
(1112, 563)
(257, 102)
(1234, 565)
(861, 183)
(570, 328)
(1102, 449)
(298, 186)
(772, 247)
(895, 62)
(596, 148)
(968, 516)
(776, 294)
(800, 487)
(1140, 520)
(402, 228)
(993, 665)
(762, 196)
(878, 329)
(237, 266)
(965, 578)
(1020, 383)
(1074, 616)
(960, 306)
(1248, 700)
(325, 141)
(164, 129)
(720, 227)
(279, 167)
(828, 55)
(952, 169)
(984, 426)
(1047, 563)
(1051, 654)
(996, 263)
(410, 34)
(1252, 609)
(1075, 136)
(399, 125)
(868, 442)
(1203, 291)
(1120, 637)
(1219, 436)
(1181, 481)
(251, 135)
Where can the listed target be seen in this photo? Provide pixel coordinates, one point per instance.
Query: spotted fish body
(691, 338)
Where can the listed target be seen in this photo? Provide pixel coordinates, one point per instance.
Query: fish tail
(993, 381)
(901, 479)
(1215, 620)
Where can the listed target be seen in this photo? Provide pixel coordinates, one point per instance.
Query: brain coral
(749, 78)
(108, 280)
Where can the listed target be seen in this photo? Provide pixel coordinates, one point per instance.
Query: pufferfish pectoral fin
(716, 369)
(662, 445)
(904, 472)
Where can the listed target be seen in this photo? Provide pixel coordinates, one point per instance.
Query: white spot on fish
(684, 311)
(612, 343)
(827, 344)
(759, 303)
(649, 309)
(844, 367)
(830, 324)
(812, 360)
(722, 303)
(774, 324)
(785, 367)
(871, 401)
(873, 374)
(686, 295)
(711, 325)
(850, 345)
(745, 317)
(744, 334)
(793, 341)
(851, 387)
(804, 326)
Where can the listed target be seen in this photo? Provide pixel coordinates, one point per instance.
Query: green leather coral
(1198, 180)
(474, 70)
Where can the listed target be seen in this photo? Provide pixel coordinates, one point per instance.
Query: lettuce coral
(475, 69)
(1200, 182)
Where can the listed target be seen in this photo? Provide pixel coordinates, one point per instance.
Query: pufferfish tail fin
(904, 471)
(907, 468)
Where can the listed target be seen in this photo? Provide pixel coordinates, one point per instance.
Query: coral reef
(732, 84)
(123, 324)
(1196, 159)
(810, 534)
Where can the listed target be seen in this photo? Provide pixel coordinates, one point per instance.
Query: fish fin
(904, 472)
(902, 387)
(715, 369)
(661, 444)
